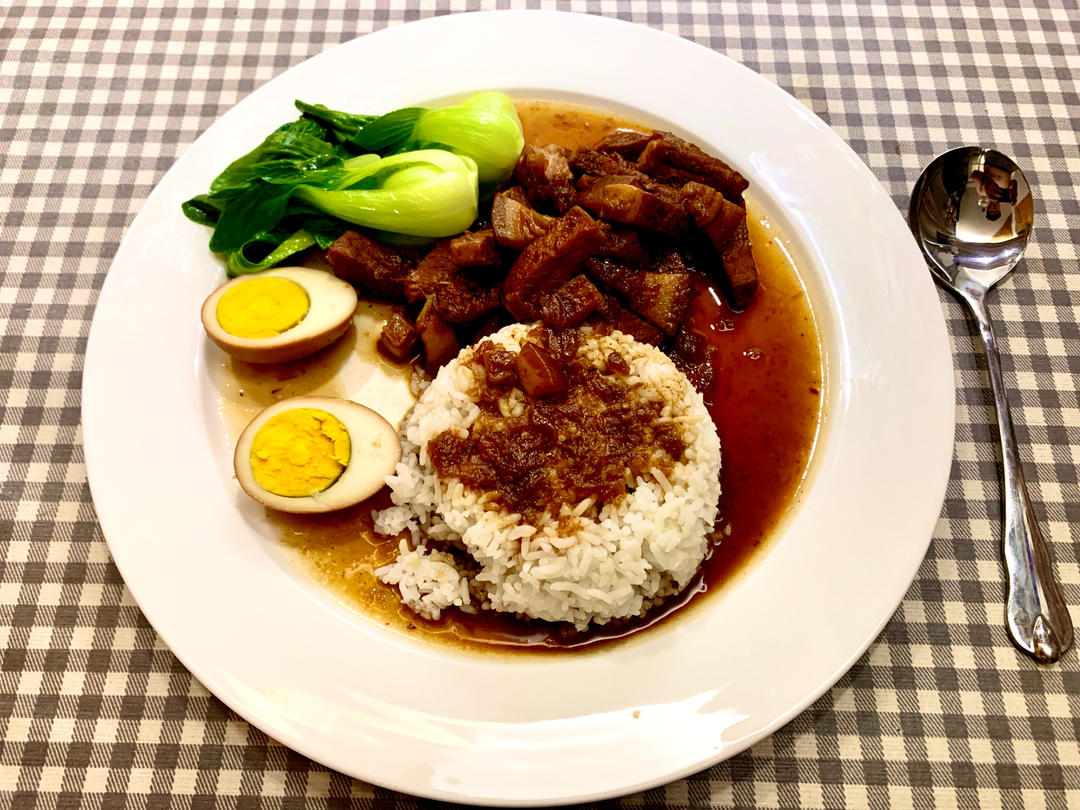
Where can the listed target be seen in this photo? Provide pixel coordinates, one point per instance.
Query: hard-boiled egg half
(280, 314)
(315, 454)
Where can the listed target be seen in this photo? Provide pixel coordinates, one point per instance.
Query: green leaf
(264, 252)
(345, 125)
(257, 210)
(203, 209)
(325, 231)
(301, 140)
(316, 171)
(388, 132)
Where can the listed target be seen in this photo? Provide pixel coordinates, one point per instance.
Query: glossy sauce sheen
(766, 401)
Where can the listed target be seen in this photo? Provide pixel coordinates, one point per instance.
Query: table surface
(97, 103)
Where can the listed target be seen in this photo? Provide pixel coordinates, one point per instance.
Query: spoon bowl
(972, 212)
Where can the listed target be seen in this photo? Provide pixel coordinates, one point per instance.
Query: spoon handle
(1038, 619)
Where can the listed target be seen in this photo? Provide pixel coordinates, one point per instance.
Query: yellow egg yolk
(262, 307)
(300, 452)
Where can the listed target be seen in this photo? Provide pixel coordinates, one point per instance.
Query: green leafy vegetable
(485, 127)
(390, 132)
(257, 209)
(204, 209)
(428, 193)
(339, 124)
(260, 208)
(417, 176)
(302, 145)
(245, 260)
(325, 231)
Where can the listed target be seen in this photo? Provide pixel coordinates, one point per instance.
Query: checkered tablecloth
(97, 102)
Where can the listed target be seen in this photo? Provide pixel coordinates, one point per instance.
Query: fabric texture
(97, 102)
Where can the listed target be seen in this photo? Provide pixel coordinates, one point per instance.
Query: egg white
(375, 452)
(332, 303)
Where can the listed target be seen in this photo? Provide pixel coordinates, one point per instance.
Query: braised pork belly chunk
(621, 234)
(617, 198)
(627, 143)
(671, 160)
(399, 338)
(438, 338)
(514, 222)
(549, 261)
(374, 268)
(475, 249)
(572, 303)
(545, 174)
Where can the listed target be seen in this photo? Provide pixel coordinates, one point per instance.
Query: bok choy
(427, 193)
(412, 173)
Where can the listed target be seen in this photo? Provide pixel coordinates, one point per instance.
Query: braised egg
(280, 314)
(315, 454)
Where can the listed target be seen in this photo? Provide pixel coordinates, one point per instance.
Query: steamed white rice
(622, 558)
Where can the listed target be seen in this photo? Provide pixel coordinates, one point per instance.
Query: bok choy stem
(430, 193)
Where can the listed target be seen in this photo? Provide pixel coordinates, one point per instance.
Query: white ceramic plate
(450, 725)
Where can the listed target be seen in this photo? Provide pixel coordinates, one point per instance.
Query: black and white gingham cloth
(95, 105)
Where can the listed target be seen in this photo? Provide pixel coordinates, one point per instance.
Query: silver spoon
(971, 212)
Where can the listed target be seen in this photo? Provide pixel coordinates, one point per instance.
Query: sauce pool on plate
(766, 401)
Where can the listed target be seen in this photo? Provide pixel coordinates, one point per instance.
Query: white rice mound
(623, 558)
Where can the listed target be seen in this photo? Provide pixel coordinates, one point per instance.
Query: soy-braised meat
(622, 243)
(614, 275)
(498, 363)
(723, 224)
(572, 303)
(617, 199)
(627, 143)
(545, 173)
(458, 297)
(739, 268)
(436, 269)
(467, 299)
(616, 364)
(548, 262)
(376, 269)
(440, 343)
(514, 221)
(540, 373)
(593, 163)
(660, 298)
(715, 216)
(614, 315)
(475, 249)
(398, 338)
(669, 260)
(669, 159)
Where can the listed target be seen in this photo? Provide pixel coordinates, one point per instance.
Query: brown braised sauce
(565, 446)
(766, 400)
